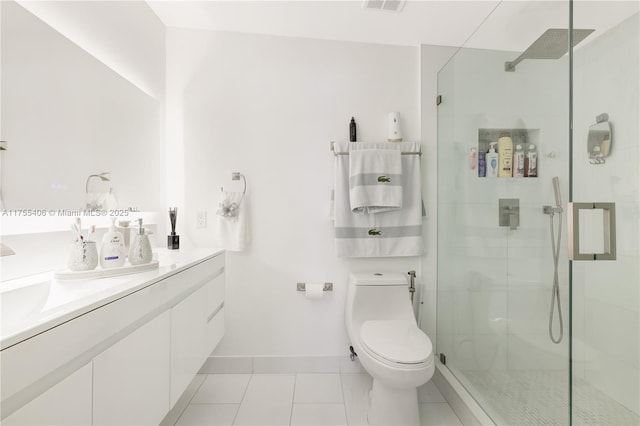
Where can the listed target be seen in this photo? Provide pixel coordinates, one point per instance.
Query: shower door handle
(587, 241)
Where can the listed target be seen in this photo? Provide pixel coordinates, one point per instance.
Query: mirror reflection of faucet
(100, 200)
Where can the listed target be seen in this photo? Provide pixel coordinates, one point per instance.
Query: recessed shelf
(524, 137)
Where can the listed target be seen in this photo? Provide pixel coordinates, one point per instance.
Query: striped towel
(387, 234)
(375, 178)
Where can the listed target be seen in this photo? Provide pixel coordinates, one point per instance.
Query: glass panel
(606, 297)
(495, 283)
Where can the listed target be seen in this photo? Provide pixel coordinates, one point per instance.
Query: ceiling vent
(388, 5)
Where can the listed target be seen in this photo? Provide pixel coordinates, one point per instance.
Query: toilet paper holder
(303, 287)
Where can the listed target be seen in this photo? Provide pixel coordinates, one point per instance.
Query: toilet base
(393, 407)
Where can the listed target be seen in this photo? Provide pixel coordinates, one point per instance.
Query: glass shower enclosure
(538, 276)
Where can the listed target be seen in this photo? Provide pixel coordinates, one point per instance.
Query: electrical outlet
(201, 220)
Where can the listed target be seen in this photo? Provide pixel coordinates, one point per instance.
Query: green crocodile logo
(374, 231)
(383, 179)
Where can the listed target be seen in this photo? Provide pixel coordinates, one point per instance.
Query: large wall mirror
(66, 116)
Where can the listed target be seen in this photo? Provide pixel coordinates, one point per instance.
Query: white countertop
(34, 304)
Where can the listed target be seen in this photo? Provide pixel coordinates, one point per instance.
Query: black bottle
(352, 130)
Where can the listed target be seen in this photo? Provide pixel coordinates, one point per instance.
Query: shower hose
(555, 292)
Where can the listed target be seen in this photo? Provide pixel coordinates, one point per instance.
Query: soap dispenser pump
(140, 247)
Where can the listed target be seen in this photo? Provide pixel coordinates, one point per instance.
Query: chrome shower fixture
(552, 44)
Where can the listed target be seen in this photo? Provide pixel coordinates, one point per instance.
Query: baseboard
(280, 365)
(460, 401)
(172, 416)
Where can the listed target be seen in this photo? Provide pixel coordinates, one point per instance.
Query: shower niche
(529, 139)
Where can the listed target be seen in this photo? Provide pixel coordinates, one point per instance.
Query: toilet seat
(396, 343)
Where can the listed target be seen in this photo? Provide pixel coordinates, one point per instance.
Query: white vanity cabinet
(125, 362)
(130, 380)
(66, 404)
(197, 325)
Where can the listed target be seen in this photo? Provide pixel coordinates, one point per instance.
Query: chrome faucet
(5, 250)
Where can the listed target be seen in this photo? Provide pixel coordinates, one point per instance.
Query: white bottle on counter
(112, 252)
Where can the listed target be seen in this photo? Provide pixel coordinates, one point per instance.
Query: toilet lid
(396, 341)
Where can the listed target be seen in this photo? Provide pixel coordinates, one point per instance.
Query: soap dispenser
(140, 247)
(112, 251)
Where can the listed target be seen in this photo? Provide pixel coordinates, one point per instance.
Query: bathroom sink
(20, 304)
(40, 301)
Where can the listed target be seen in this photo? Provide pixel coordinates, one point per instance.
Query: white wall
(268, 107)
(606, 294)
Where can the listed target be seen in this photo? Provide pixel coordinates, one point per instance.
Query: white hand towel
(232, 222)
(375, 178)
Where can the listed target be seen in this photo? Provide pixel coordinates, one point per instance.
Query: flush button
(377, 274)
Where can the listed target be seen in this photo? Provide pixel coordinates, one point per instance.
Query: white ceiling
(510, 24)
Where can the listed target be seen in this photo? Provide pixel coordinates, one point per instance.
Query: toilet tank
(378, 296)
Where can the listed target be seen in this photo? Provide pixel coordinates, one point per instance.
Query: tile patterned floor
(542, 398)
(296, 399)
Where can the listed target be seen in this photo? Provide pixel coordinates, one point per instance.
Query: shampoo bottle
(531, 162)
(492, 161)
(505, 156)
(518, 162)
(112, 252)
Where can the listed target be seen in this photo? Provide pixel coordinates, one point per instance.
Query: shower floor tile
(541, 398)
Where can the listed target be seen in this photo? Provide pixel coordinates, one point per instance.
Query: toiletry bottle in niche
(352, 130)
(491, 160)
(112, 252)
(482, 164)
(531, 162)
(505, 155)
(140, 250)
(518, 162)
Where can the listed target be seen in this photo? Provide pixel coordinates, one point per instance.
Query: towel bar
(346, 153)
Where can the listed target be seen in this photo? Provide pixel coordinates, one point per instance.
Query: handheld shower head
(558, 208)
(556, 190)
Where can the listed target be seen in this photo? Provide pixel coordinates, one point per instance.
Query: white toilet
(390, 346)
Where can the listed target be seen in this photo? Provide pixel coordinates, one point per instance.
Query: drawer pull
(215, 312)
